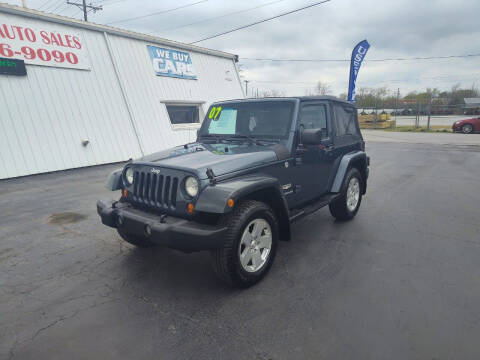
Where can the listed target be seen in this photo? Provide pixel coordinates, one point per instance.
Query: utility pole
(429, 112)
(417, 117)
(396, 106)
(84, 7)
(246, 87)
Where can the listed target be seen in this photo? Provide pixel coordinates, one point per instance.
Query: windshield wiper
(250, 139)
(217, 138)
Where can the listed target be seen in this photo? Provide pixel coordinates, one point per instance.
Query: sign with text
(358, 54)
(173, 63)
(45, 45)
(12, 67)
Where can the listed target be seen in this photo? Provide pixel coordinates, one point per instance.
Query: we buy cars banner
(48, 45)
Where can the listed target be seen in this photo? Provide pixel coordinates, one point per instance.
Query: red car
(467, 126)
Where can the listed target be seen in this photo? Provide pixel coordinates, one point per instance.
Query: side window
(314, 116)
(345, 120)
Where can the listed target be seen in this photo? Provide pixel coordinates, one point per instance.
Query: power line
(428, 57)
(61, 5)
(47, 3)
(437, 77)
(369, 60)
(262, 21)
(224, 15)
(109, 2)
(114, 2)
(156, 13)
(85, 8)
(54, 6)
(76, 12)
(283, 82)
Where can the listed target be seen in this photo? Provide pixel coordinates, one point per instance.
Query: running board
(324, 200)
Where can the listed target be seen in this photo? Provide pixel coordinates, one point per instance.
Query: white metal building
(94, 94)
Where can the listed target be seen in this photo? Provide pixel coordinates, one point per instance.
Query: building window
(183, 114)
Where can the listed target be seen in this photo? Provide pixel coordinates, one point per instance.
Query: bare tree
(272, 93)
(474, 90)
(322, 89)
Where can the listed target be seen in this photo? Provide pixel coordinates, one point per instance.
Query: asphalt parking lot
(400, 281)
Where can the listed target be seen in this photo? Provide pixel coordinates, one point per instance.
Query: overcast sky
(403, 28)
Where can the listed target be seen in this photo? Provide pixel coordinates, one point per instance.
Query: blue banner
(358, 54)
(173, 63)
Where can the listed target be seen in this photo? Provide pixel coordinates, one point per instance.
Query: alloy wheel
(255, 245)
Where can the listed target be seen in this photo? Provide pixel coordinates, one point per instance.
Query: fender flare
(345, 163)
(213, 199)
(114, 180)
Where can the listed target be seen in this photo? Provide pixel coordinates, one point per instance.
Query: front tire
(346, 206)
(467, 128)
(250, 245)
(138, 241)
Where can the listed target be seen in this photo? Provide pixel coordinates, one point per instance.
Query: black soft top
(288, 98)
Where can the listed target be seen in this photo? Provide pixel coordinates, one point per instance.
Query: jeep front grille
(155, 190)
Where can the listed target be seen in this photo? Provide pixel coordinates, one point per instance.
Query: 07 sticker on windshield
(215, 112)
(223, 121)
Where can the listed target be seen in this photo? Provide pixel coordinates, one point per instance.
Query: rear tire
(138, 241)
(250, 244)
(346, 206)
(467, 128)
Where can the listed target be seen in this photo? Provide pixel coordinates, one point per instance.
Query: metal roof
(35, 14)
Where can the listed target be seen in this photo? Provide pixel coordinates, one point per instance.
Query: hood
(221, 158)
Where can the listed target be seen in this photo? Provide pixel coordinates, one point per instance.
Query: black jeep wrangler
(257, 165)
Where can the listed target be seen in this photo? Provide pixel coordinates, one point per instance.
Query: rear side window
(314, 117)
(345, 120)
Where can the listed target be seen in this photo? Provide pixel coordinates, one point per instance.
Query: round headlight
(191, 186)
(129, 176)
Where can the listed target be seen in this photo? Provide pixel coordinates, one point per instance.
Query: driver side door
(313, 163)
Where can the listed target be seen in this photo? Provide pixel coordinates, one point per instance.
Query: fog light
(120, 221)
(148, 230)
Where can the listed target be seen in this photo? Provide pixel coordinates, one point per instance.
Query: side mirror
(311, 136)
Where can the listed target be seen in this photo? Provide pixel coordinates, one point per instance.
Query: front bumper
(172, 232)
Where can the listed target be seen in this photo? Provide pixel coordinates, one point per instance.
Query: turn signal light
(230, 202)
(125, 192)
(190, 208)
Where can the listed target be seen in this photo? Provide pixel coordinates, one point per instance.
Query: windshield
(262, 119)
